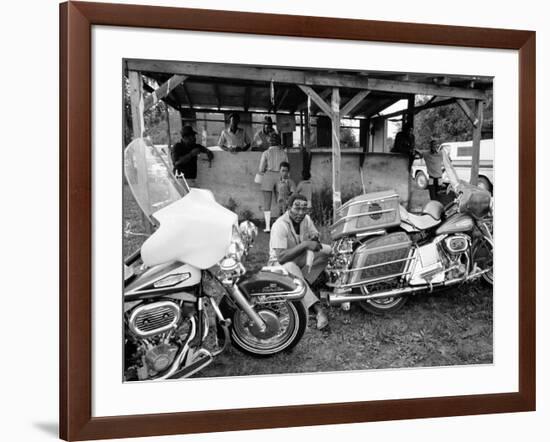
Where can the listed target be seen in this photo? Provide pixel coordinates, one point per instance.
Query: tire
(485, 255)
(421, 180)
(383, 306)
(246, 339)
(378, 307)
(485, 184)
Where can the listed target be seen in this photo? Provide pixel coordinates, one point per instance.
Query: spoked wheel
(286, 323)
(382, 306)
(421, 180)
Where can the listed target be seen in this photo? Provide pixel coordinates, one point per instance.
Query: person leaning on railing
(234, 138)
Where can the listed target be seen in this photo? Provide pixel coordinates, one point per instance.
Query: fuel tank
(459, 222)
(163, 279)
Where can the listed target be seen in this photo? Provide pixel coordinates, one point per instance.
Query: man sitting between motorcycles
(292, 235)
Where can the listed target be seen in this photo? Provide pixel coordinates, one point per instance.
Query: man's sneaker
(322, 320)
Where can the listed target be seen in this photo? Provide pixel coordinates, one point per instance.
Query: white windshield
(149, 176)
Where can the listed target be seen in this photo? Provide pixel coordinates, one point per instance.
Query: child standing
(305, 187)
(285, 187)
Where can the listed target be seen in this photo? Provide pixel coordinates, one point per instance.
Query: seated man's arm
(222, 143)
(187, 157)
(207, 151)
(284, 256)
(278, 242)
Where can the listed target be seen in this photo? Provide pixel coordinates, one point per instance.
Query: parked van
(460, 153)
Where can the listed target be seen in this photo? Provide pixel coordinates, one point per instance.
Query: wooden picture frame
(76, 21)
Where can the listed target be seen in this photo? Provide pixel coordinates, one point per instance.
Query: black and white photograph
(282, 220)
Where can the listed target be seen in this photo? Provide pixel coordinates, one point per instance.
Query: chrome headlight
(249, 231)
(236, 248)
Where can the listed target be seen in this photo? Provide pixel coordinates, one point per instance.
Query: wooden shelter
(193, 87)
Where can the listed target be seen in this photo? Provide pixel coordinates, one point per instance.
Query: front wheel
(421, 180)
(286, 323)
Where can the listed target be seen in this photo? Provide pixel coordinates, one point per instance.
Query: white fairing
(195, 230)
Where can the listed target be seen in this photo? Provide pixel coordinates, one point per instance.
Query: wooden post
(364, 139)
(307, 129)
(302, 129)
(136, 103)
(476, 142)
(169, 139)
(410, 111)
(137, 106)
(335, 117)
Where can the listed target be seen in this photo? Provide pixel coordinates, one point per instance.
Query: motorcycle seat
(419, 222)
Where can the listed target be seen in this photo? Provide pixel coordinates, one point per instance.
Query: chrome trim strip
(375, 200)
(371, 233)
(368, 281)
(338, 298)
(295, 294)
(359, 215)
(357, 269)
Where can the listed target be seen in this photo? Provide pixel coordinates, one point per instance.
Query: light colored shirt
(233, 139)
(261, 140)
(283, 236)
(272, 158)
(434, 164)
(285, 187)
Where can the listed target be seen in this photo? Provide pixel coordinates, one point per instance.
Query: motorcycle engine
(428, 266)
(442, 259)
(157, 331)
(157, 359)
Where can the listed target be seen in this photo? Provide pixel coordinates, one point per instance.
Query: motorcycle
(382, 253)
(188, 280)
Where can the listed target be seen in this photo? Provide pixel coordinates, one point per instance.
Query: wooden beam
(166, 99)
(352, 104)
(336, 184)
(468, 112)
(308, 78)
(163, 90)
(323, 94)
(317, 99)
(422, 107)
(476, 142)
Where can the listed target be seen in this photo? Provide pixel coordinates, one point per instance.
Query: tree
(447, 123)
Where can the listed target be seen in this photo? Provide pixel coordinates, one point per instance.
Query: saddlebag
(381, 259)
(371, 211)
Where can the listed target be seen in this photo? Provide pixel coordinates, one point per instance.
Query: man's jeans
(298, 268)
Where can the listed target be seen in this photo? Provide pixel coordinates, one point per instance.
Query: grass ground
(451, 327)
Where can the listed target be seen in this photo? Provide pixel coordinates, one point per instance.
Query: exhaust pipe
(338, 298)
